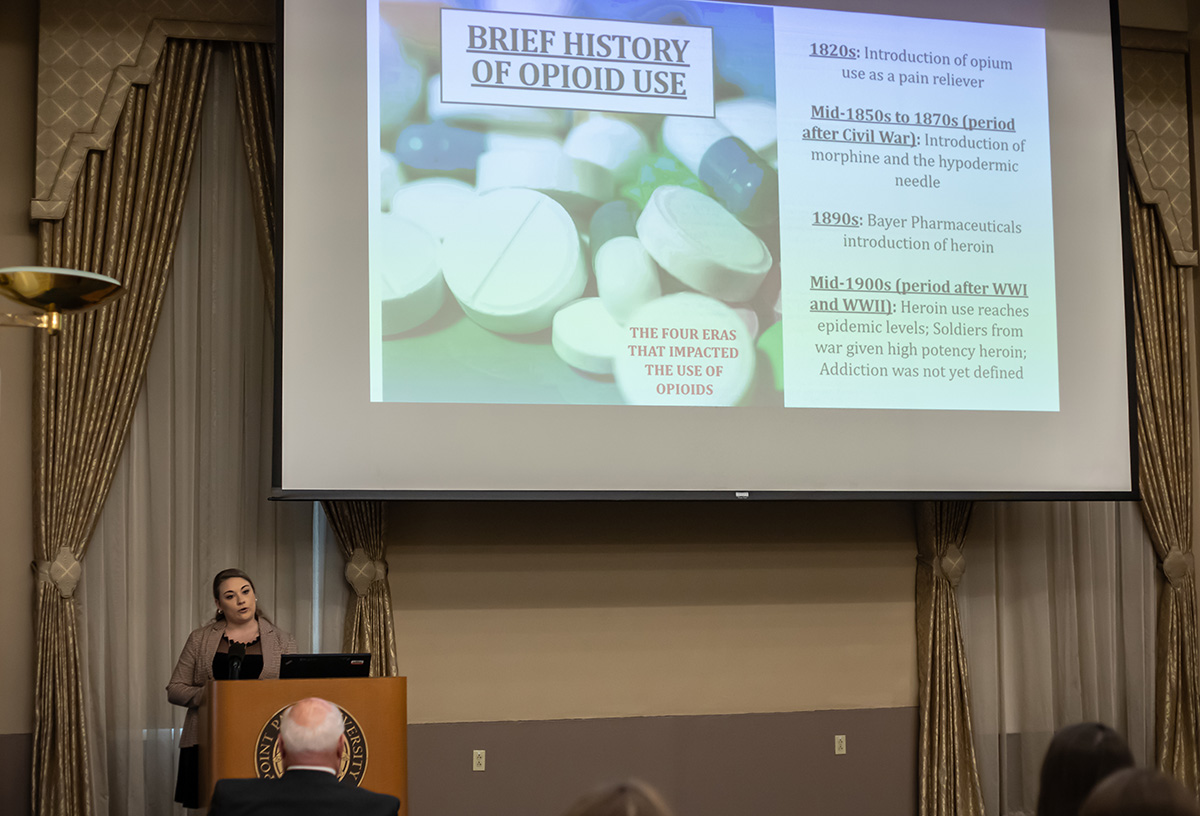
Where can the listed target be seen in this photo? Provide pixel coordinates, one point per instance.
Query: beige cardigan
(194, 668)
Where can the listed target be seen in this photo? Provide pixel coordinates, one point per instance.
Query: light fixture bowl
(52, 289)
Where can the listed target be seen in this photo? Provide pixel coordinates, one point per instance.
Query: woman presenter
(240, 643)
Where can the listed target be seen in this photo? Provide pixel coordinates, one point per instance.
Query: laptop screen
(324, 665)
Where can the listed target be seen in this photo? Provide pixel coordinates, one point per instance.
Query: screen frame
(1127, 262)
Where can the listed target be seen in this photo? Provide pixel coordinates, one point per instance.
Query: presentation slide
(680, 246)
(587, 209)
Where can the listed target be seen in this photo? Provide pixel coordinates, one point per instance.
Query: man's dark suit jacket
(298, 793)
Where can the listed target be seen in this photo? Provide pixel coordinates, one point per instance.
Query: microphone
(237, 651)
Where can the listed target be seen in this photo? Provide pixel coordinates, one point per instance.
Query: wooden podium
(239, 724)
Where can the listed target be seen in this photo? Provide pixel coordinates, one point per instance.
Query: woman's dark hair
(223, 576)
(1140, 792)
(1079, 757)
(629, 798)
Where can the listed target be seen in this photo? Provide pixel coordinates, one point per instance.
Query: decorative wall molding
(90, 52)
(1157, 140)
(1153, 39)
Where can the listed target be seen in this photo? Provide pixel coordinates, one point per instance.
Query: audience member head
(1140, 792)
(629, 798)
(311, 732)
(1079, 756)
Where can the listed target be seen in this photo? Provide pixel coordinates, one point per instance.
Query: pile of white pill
(637, 245)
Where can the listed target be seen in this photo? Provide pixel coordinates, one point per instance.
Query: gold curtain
(122, 221)
(948, 776)
(358, 525)
(369, 625)
(254, 75)
(1160, 324)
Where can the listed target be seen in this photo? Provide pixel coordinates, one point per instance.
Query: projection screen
(674, 248)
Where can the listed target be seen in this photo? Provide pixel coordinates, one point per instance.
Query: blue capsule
(737, 176)
(440, 148)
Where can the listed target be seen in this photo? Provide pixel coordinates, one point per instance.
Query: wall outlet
(839, 744)
(478, 758)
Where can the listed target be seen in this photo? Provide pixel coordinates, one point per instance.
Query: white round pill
(751, 119)
(701, 244)
(614, 144)
(684, 349)
(626, 276)
(404, 263)
(585, 336)
(689, 138)
(495, 117)
(578, 185)
(434, 203)
(750, 318)
(390, 178)
(513, 260)
(500, 140)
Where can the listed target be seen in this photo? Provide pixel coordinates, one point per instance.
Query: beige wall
(530, 611)
(18, 63)
(562, 610)
(543, 611)
(533, 610)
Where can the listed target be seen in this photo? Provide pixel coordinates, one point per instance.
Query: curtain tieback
(950, 566)
(1177, 566)
(64, 571)
(362, 571)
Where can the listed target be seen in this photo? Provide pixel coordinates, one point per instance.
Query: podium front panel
(239, 727)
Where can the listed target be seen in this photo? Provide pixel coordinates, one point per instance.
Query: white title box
(539, 61)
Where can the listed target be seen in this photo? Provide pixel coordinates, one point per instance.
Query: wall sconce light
(53, 291)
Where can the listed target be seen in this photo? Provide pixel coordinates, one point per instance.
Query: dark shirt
(252, 660)
(298, 793)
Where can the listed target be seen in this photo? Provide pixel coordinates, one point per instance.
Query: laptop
(293, 666)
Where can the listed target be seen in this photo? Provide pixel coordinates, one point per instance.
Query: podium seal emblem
(268, 761)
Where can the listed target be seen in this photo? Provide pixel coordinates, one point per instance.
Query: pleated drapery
(254, 75)
(1161, 320)
(948, 777)
(1058, 613)
(122, 221)
(369, 623)
(358, 525)
(189, 495)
